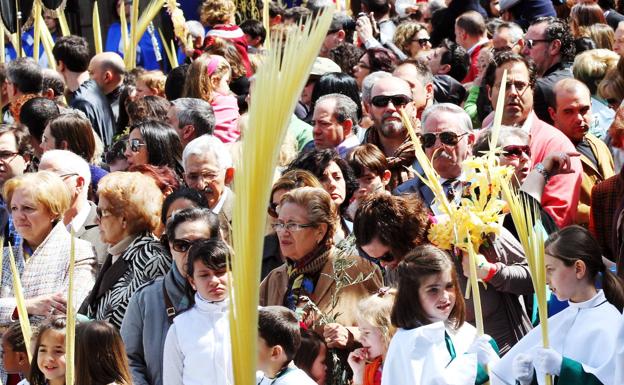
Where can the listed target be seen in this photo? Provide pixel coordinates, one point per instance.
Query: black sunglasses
(446, 137)
(135, 145)
(387, 257)
(514, 151)
(423, 41)
(397, 100)
(183, 245)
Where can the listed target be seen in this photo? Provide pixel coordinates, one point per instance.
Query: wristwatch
(542, 170)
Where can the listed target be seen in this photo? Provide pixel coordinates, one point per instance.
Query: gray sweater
(145, 325)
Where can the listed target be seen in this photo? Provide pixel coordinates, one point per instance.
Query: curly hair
(405, 33)
(592, 66)
(213, 12)
(399, 222)
(558, 29)
(505, 57)
(381, 59)
(149, 107)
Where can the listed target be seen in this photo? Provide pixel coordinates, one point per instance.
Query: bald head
(107, 69)
(570, 86)
(390, 86)
(572, 113)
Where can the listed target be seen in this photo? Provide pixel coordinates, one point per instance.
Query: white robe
(420, 357)
(589, 332)
(197, 348)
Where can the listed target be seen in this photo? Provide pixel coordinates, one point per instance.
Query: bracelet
(491, 272)
(542, 170)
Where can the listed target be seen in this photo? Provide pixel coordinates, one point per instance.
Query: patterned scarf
(16, 105)
(303, 274)
(400, 163)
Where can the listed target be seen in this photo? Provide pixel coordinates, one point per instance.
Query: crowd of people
(133, 169)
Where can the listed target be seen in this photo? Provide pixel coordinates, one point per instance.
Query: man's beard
(392, 129)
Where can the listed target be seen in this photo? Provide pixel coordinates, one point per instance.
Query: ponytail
(613, 288)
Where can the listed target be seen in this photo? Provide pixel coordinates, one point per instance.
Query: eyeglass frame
(438, 135)
(387, 257)
(391, 98)
(188, 243)
(524, 149)
(530, 43)
(135, 144)
(294, 227)
(8, 156)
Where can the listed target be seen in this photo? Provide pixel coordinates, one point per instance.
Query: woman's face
(136, 150)
(361, 70)
(298, 243)
(334, 183)
(420, 42)
(48, 142)
(186, 234)
(516, 154)
(112, 227)
(32, 220)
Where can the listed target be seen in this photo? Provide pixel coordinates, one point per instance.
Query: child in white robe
(197, 348)
(584, 338)
(433, 344)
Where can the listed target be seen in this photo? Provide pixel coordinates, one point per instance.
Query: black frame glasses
(384, 100)
(182, 245)
(448, 138)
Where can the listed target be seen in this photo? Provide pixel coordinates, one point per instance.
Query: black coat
(543, 95)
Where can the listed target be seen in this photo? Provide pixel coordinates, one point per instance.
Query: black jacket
(89, 99)
(543, 95)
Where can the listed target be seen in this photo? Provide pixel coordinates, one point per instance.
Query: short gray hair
(464, 119)
(515, 31)
(208, 144)
(345, 107)
(369, 81)
(69, 162)
(195, 112)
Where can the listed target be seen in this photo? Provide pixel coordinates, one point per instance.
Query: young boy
(279, 339)
(370, 167)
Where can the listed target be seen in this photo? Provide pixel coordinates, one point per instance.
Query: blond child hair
(206, 75)
(376, 311)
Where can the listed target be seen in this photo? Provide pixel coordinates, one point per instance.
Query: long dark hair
(575, 243)
(57, 324)
(337, 83)
(162, 143)
(423, 261)
(100, 355)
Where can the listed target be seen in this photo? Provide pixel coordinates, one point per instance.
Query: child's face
(370, 182)
(560, 278)
(143, 90)
(10, 358)
(210, 284)
(437, 296)
(51, 356)
(319, 367)
(371, 340)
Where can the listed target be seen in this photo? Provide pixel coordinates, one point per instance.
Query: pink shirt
(226, 115)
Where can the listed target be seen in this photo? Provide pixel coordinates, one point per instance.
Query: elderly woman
(152, 308)
(37, 202)
(128, 213)
(305, 228)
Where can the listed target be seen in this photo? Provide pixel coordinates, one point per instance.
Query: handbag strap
(169, 308)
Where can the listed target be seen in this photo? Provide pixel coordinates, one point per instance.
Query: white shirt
(79, 220)
(221, 202)
(291, 376)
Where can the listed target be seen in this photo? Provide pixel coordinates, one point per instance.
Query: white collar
(595, 301)
(204, 305)
(221, 202)
(479, 43)
(79, 219)
(528, 123)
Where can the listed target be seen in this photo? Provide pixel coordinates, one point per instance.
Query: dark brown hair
(367, 156)
(575, 243)
(149, 107)
(423, 261)
(57, 324)
(76, 132)
(100, 355)
(399, 222)
(278, 325)
(309, 350)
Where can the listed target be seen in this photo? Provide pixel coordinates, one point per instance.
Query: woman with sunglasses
(152, 308)
(412, 39)
(271, 255)
(305, 229)
(128, 213)
(156, 143)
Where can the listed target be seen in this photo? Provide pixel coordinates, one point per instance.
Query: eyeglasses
(397, 100)
(520, 86)
(291, 227)
(530, 43)
(7, 156)
(515, 151)
(135, 145)
(424, 41)
(272, 209)
(446, 137)
(102, 213)
(63, 176)
(183, 245)
(387, 257)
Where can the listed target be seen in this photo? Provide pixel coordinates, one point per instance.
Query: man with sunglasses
(549, 43)
(447, 139)
(470, 33)
(561, 193)
(573, 116)
(388, 97)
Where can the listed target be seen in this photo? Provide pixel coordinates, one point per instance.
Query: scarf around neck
(303, 274)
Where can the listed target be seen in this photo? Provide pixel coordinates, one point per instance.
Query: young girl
(48, 361)
(151, 83)
(208, 79)
(197, 346)
(376, 331)
(311, 357)
(433, 344)
(585, 337)
(100, 355)
(14, 356)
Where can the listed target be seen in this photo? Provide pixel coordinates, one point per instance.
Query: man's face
(387, 118)
(332, 40)
(328, 133)
(96, 74)
(518, 93)
(502, 41)
(540, 51)
(435, 61)
(573, 114)
(202, 173)
(618, 45)
(459, 36)
(421, 94)
(11, 163)
(445, 158)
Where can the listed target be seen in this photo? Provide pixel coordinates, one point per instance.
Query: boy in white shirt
(279, 339)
